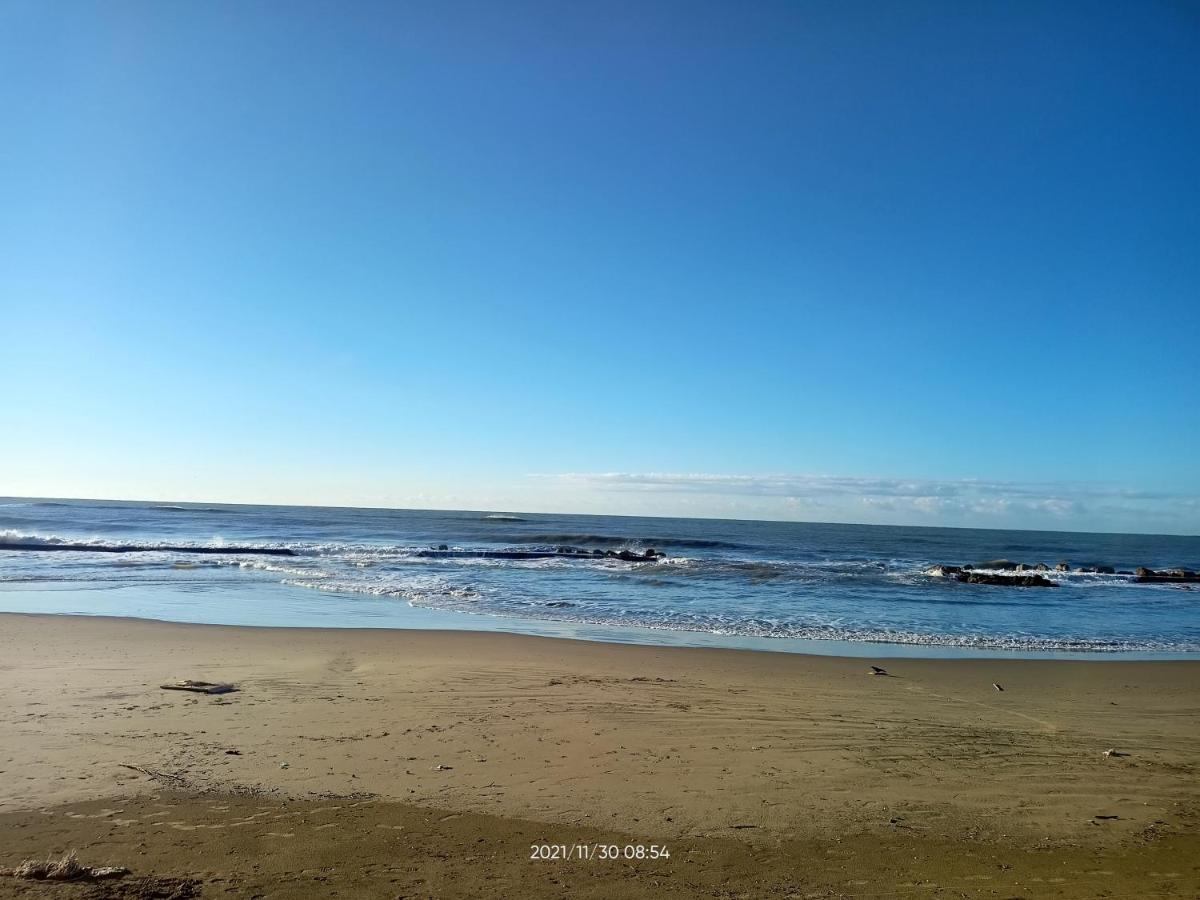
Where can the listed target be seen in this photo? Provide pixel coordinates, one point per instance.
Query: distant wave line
(60, 546)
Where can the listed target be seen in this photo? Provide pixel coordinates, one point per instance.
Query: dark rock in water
(1063, 567)
(1106, 570)
(1006, 580)
(559, 604)
(1177, 575)
(943, 571)
(1124, 572)
(633, 556)
(1021, 567)
(1041, 567)
(996, 564)
(1087, 570)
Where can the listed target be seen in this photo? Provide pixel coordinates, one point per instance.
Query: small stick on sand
(997, 687)
(151, 772)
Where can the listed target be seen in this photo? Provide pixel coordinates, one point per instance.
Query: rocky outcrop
(1005, 580)
(1142, 575)
(632, 556)
(1014, 574)
(943, 571)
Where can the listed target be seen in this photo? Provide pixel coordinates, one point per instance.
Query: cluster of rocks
(627, 555)
(1178, 576)
(1014, 574)
(970, 577)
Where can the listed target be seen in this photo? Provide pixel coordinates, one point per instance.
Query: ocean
(804, 587)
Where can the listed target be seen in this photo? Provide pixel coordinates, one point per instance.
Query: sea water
(856, 589)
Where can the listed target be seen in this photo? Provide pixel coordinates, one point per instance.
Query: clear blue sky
(417, 254)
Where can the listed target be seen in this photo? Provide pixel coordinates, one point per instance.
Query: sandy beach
(405, 763)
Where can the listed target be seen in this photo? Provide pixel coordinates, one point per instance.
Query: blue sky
(930, 263)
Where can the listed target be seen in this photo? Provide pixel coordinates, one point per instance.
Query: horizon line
(597, 515)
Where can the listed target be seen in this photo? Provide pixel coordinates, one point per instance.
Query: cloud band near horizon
(977, 502)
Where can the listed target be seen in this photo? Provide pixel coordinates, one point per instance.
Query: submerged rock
(1167, 576)
(1013, 574)
(942, 571)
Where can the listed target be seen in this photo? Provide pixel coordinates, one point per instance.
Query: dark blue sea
(857, 589)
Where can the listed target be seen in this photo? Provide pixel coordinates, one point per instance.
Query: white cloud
(980, 502)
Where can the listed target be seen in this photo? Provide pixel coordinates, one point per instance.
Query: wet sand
(403, 763)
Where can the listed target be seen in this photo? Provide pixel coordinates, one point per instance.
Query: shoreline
(432, 620)
(886, 649)
(707, 748)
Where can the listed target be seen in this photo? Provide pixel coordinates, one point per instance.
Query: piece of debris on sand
(875, 670)
(65, 868)
(199, 687)
(1114, 752)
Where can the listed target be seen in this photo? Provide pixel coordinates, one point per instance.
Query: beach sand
(415, 763)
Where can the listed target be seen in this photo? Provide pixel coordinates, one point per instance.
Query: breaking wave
(726, 625)
(556, 539)
(13, 541)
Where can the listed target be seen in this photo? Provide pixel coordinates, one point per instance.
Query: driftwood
(67, 868)
(199, 687)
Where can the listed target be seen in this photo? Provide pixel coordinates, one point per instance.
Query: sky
(919, 263)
